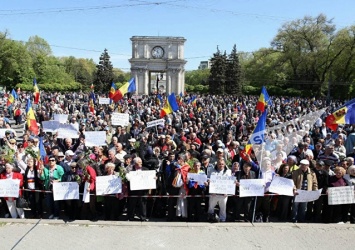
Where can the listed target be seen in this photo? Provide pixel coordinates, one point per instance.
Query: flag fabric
(128, 87)
(31, 119)
(343, 115)
(92, 86)
(11, 98)
(181, 98)
(159, 100)
(92, 100)
(170, 106)
(35, 92)
(112, 90)
(263, 101)
(42, 150)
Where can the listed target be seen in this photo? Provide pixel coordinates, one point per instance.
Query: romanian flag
(42, 150)
(170, 106)
(263, 101)
(129, 87)
(180, 99)
(11, 98)
(35, 92)
(31, 119)
(159, 100)
(112, 90)
(343, 115)
(92, 100)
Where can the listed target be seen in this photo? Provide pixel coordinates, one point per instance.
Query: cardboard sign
(119, 119)
(103, 100)
(251, 187)
(142, 180)
(65, 191)
(156, 123)
(282, 186)
(199, 178)
(67, 131)
(341, 195)
(50, 126)
(61, 118)
(109, 184)
(222, 184)
(95, 138)
(9, 188)
(307, 196)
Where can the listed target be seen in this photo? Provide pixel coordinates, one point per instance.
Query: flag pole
(256, 197)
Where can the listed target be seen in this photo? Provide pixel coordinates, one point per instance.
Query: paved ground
(50, 234)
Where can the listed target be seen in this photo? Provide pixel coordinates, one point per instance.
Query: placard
(103, 100)
(95, 138)
(222, 184)
(61, 118)
(251, 187)
(307, 196)
(3, 130)
(156, 123)
(67, 131)
(86, 195)
(119, 119)
(142, 180)
(282, 186)
(341, 195)
(50, 126)
(199, 178)
(109, 184)
(65, 191)
(9, 188)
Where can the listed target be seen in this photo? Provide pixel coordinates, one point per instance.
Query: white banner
(142, 180)
(156, 123)
(119, 119)
(3, 130)
(109, 184)
(95, 138)
(341, 195)
(9, 188)
(65, 191)
(67, 131)
(251, 187)
(199, 178)
(307, 196)
(103, 100)
(222, 184)
(282, 186)
(86, 195)
(50, 126)
(61, 118)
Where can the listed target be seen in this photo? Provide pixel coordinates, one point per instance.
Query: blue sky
(92, 25)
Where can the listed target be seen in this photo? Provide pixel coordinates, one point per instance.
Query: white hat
(132, 140)
(60, 154)
(219, 150)
(304, 162)
(69, 153)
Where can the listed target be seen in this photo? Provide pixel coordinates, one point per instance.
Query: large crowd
(207, 136)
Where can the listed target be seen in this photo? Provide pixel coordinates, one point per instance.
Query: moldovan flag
(343, 115)
(112, 90)
(263, 101)
(170, 106)
(31, 119)
(128, 87)
(35, 92)
(92, 100)
(11, 98)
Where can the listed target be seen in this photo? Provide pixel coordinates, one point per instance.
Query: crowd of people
(205, 136)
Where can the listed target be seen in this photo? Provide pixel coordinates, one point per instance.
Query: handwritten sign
(156, 123)
(65, 191)
(281, 186)
(142, 180)
(67, 131)
(251, 187)
(119, 119)
(341, 195)
(199, 178)
(307, 196)
(222, 184)
(3, 130)
(95, 138)
(109, 184)
(103, 100)
(50, 126)
(61, 118)
(9, 188)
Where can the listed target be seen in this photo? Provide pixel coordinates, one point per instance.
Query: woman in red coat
(10, 201)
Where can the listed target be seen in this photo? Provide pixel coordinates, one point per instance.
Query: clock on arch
(157, 52)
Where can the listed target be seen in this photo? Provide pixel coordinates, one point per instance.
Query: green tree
(197, 77)
(104, 73)
(216, 79)
(233, 74)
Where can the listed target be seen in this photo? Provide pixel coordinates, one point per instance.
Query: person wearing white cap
(305, 179)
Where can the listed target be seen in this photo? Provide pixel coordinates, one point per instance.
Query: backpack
(177, 181)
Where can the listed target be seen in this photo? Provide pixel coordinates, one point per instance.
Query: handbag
(21, 203)
(177, 181)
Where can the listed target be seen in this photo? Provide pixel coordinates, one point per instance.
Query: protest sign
(341, 195)
(50, 126)
(307, 196)
(251, 187)
(222, 184)
(119, 119)
(103, 100)
(67, 131)
(3, 130)
(281, 186)
(9, 188)
(199, 178)
(141, 180)
(86, 195)
(61, 118)
(65, 191)
(156, 123)
(95, 138)
(109, 184)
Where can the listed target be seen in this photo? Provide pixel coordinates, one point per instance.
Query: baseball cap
(304, 162)
(69, 152)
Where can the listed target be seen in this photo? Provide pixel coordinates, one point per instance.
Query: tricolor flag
(92, 100)
(31, 119)
(42, 150)
(263, 101)
(92, 86)
(180, 99)
(112, 90)
(11, 98)
(170, 106)
(159, 100)
(128, 87)
(343, 115)
(35, 92)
